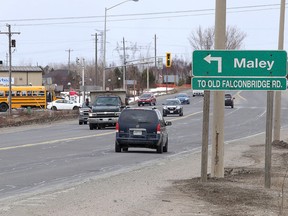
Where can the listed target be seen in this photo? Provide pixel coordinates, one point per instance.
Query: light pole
(105, 22)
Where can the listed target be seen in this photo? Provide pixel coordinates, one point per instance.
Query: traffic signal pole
(217, 160)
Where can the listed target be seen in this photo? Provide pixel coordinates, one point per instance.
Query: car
(172, 106)
(198, 93)
(184, 98)
(84, 113)
(229, 100)
(141, 128)
(63, 104)
(147, 98)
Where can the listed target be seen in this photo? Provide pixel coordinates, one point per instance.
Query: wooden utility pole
(217, 166)
(277, 111)
(69, 57)
(205, 136)
(96, 58)
(9, 33)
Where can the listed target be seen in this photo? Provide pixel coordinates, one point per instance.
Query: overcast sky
(49, 28)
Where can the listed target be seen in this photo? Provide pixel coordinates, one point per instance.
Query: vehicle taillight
(117, 127)
(158, 128)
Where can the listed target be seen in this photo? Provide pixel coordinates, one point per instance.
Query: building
(21, 75)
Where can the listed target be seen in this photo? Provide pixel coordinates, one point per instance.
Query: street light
(105, 21)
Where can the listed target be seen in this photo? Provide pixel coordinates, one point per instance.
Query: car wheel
(3, 107)
(160, 148)
(85, 122)
(165, 148)
(91, 126)
(138, 104)
(181, 114)
(117, 147)
(80, 123)
(54, 108)
(125, 149)
(75, 108)
(164, 115)
(232, 106)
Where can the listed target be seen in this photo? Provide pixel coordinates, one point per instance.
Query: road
(34, 158)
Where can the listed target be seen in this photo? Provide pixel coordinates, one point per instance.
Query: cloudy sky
(50, 28)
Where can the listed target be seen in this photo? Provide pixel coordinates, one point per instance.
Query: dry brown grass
(25, 117)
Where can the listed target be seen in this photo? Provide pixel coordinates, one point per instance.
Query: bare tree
(203, 39)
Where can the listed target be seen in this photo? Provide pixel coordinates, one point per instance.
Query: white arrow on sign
(219, 59)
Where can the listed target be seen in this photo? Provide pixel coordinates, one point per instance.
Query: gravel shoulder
(172, 187)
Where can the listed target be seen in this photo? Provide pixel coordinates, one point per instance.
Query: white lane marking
(54, 141)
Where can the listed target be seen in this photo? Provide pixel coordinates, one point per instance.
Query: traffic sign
(238, 83)
(231, 63)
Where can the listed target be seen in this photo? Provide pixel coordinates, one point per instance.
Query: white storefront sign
(5, 80)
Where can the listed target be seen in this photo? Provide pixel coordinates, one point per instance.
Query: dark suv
(141, 128)
(147, 98)
(229, 100)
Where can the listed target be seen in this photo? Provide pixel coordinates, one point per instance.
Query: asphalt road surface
(42, 157)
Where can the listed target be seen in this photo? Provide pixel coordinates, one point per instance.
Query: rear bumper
(141, 142)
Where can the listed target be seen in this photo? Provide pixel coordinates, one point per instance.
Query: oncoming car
(172, 106)
(147, 98)
(141, 128)
(184, 98)
(63, 104)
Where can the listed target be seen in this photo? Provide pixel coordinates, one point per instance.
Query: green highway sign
(238, 83)
(231, 63)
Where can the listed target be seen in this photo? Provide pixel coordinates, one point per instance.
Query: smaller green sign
(236, 83)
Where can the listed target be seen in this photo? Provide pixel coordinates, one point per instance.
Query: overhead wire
(241, 9)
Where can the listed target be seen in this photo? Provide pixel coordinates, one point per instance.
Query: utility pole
(124, 63)
(277, 112)
(217, 166)
(69, 54)
(96, 58)
(155, 40)
(9, 33)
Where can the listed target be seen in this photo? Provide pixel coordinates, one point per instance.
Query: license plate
(137, 133)
(171, 111)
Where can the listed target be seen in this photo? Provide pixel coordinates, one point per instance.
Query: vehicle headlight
(165, 107)
(81, 111)
(178, 107)
(92, 114)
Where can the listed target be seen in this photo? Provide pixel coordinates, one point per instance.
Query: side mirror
(168, 123)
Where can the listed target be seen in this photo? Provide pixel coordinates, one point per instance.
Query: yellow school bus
(24, 96)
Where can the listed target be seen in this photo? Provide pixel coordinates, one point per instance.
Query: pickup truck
(106, 108)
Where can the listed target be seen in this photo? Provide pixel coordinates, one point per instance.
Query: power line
(250, 8)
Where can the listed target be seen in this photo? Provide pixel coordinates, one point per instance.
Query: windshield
(107, 101)
(228, 96)
(145, 96)
(172, 102)
(182, 95)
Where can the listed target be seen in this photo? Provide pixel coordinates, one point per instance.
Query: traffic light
(168, 60)
(13, 43)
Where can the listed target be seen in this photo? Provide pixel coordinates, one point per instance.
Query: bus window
(18, 93)
(13, 93)
(41, 93)
(35, 93)
(6, 93)
(24, 93)
(1, 93)
(29, 93)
